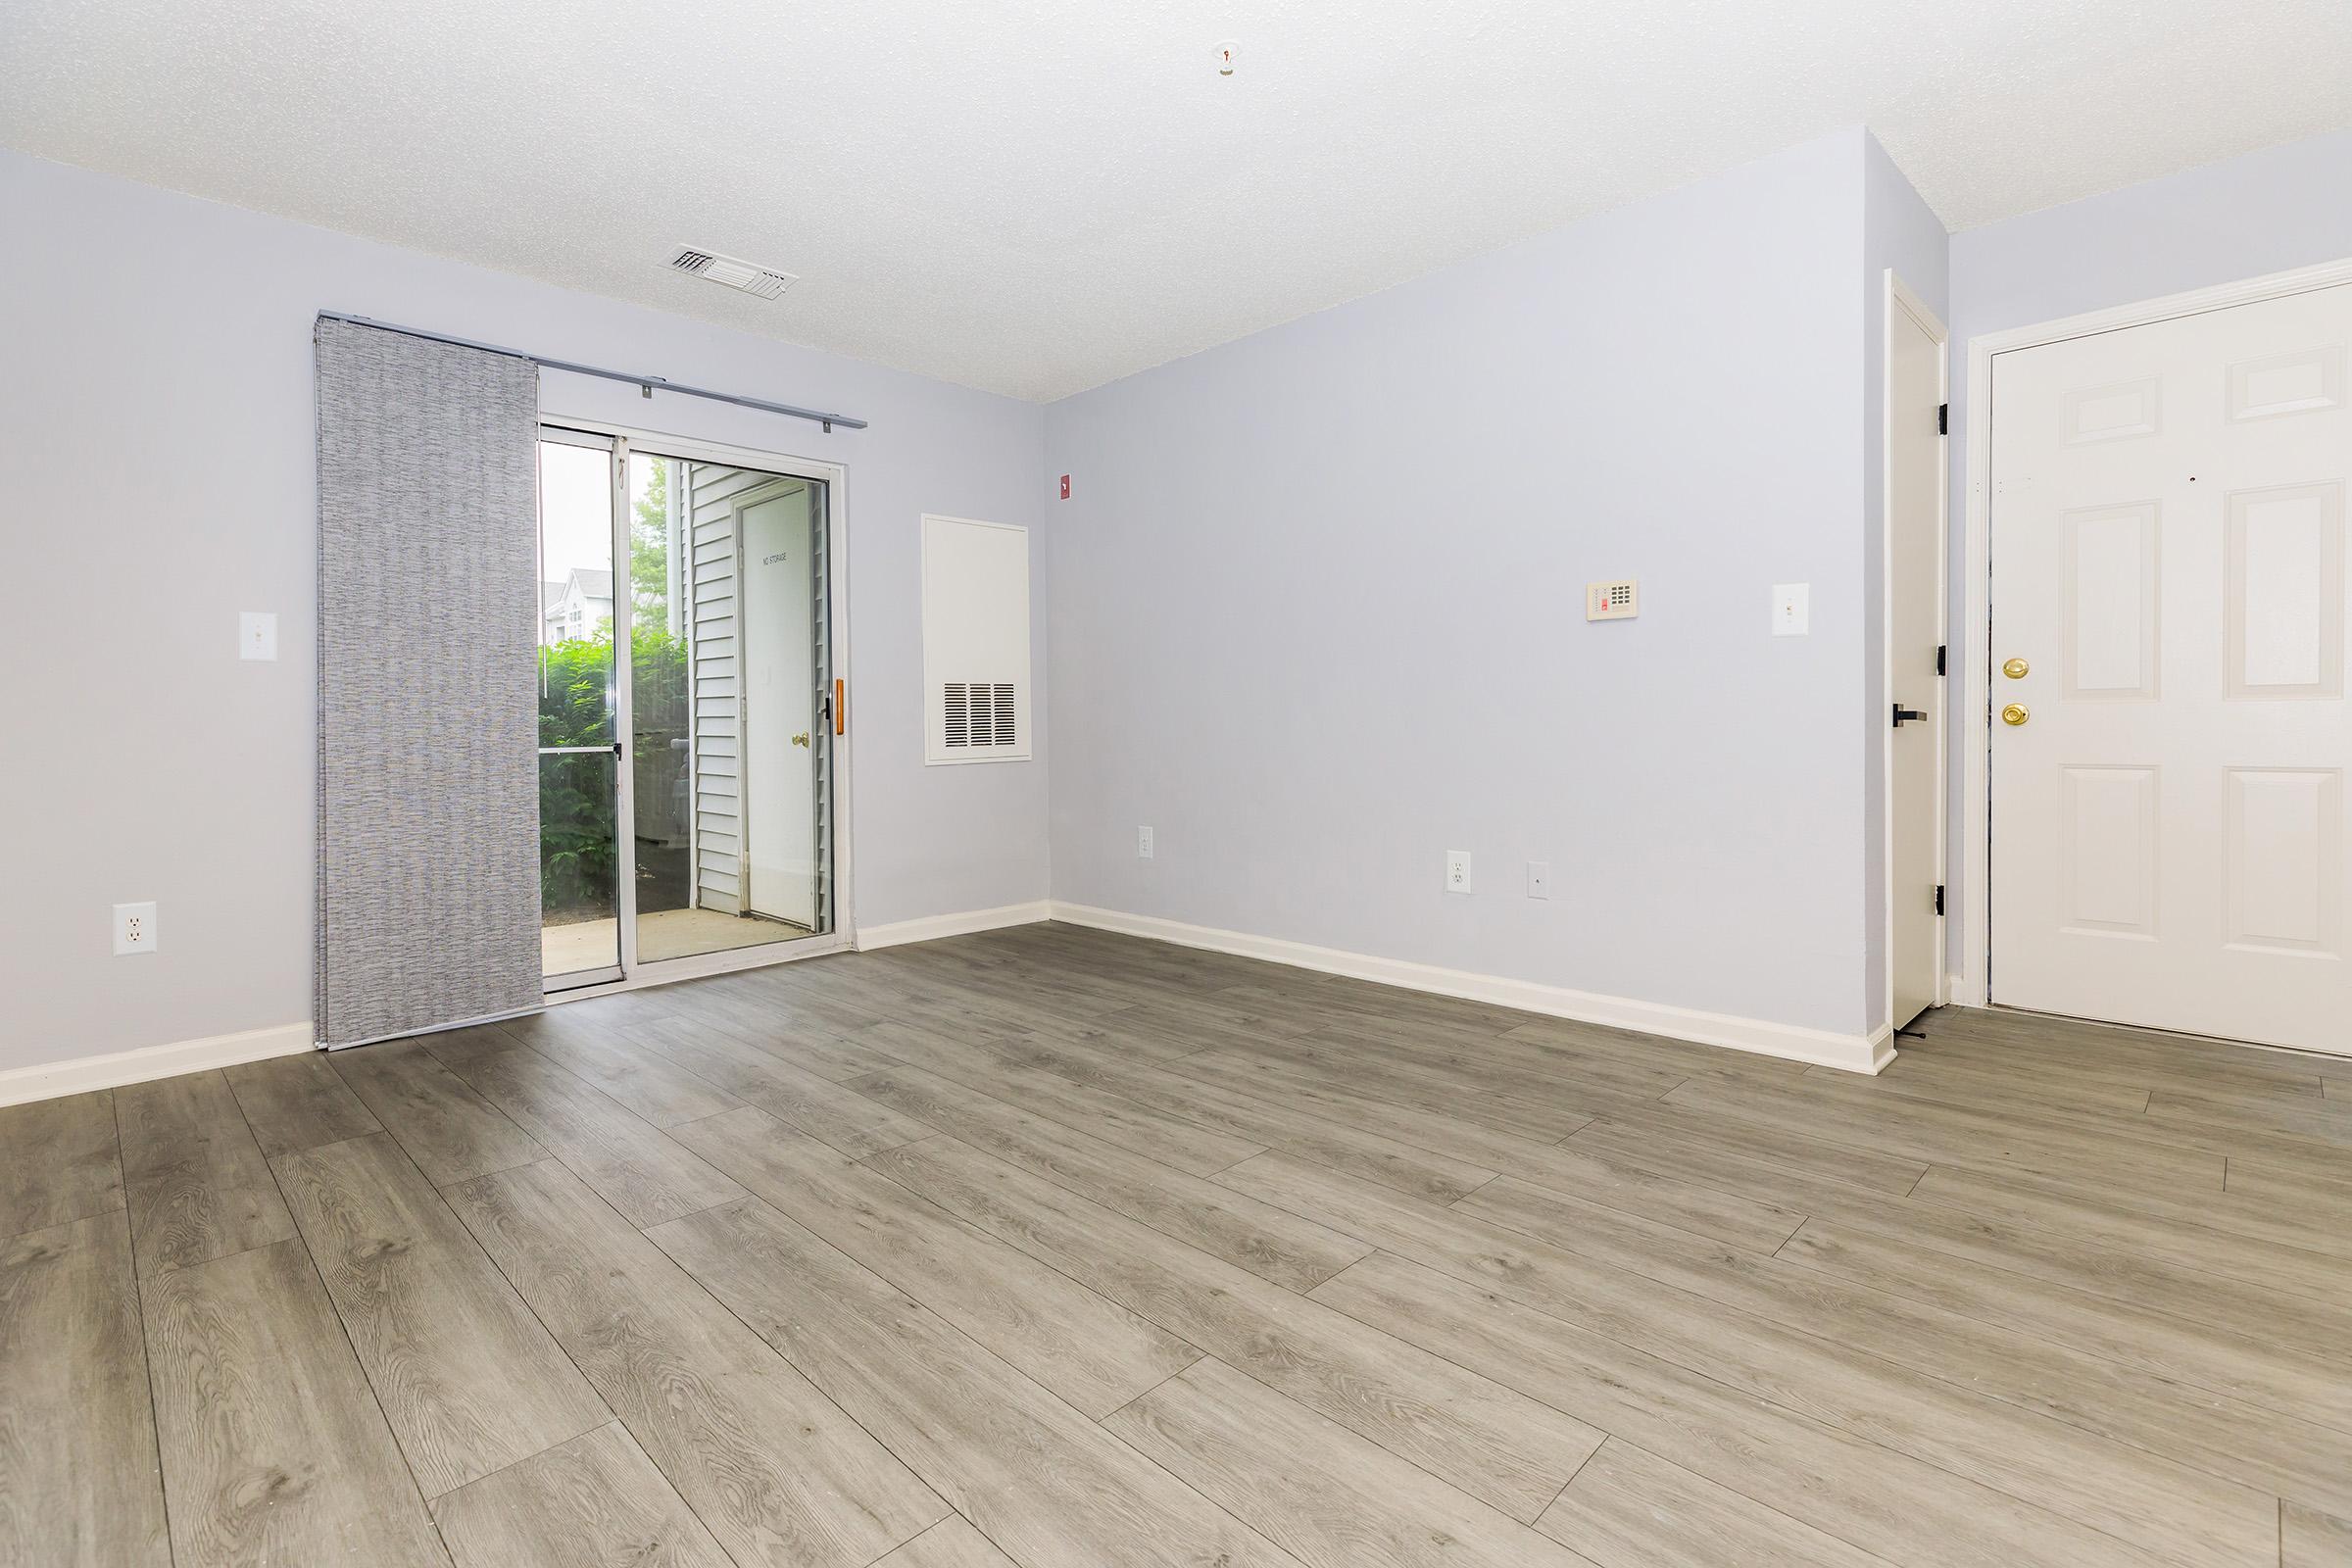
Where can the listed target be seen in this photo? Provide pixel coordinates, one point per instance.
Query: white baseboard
(1825, 1048)
(79, 1075)
(933, 926)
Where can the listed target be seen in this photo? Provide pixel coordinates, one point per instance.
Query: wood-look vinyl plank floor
(1313, 1488)
(301, 1101)
(641, 1079)
(1488, 1439)
(198, 1185)
(468, 1379)
(953, 1543)
(809, 1101)
(77, 1453)
(1275, 1245)
(1437, 1131)
(1092, 1352)
(1841, 1481)
(595, 1502)
(2244, 1362)
(1045, 1248)
(2310, 1539)
(2003, 1352)
(1170, 1140)
(1259, 1121)
(776, 1471)
(1779, 1336)
(1629, 1509)
(450, 1132)
(1051, 1487)
(273, 1448)
(638, 1169)
(57, 1161)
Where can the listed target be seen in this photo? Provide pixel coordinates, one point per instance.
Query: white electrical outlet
(1538, 879)
(1143, 843)
(1457, 870)
(134, 928)
(257, 635)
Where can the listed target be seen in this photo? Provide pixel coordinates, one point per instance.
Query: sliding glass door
(580, 839)
(688, 708)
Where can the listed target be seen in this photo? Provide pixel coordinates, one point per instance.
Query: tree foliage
(649, 551)
(578, 809)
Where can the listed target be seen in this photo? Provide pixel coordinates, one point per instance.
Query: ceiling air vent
(731, 271)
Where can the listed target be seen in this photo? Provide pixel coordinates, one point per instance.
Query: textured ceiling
(1035, 197)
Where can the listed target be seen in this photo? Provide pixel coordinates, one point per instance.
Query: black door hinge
(1943, 418)
(1939, 898)
(1939, 658)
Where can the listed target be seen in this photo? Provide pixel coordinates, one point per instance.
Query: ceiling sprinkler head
(1226, 55)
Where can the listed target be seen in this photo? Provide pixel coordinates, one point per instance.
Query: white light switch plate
(257, 635)
(1792, 608)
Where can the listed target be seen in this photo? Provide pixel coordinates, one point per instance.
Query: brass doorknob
(801, 739)
(2015, 714)
(2016, 668)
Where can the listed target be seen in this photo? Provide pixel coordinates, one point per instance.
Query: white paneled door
(2169, 731)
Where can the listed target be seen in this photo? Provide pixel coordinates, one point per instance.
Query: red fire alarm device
(1065, 487)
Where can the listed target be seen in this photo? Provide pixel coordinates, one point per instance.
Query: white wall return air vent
(733, 270)
(980, 714)
(975, 641)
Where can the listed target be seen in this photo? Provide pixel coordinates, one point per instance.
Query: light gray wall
(156, 478)
(1317, 610)
(1898, 232)
(2266, 212)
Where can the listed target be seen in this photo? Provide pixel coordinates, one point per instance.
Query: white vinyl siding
(717, 715)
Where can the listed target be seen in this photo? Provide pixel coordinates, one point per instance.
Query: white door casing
(1915, 552)
(2166, 536)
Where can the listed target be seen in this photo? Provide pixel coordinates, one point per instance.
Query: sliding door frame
(625, 439)
(624, 851)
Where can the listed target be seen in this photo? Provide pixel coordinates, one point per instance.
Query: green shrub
(577, 807)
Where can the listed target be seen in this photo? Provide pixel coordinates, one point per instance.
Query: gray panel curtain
(428, 605)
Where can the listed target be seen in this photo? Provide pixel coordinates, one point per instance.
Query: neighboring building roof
(593, 585)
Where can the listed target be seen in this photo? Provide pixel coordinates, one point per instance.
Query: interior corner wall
(1317, 610)
(157, 471)
(2264, 212)
(1899, 233)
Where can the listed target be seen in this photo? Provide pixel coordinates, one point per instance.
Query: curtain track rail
(648, 384)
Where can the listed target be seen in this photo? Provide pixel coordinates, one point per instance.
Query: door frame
(836, 477)
(1973, 986)
(1899, 297)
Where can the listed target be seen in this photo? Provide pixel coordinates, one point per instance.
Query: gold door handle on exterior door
(801, 739)
(2016, 668)
(2015, 714)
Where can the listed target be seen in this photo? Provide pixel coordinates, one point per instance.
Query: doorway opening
(1914, 545)
(690, 680)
